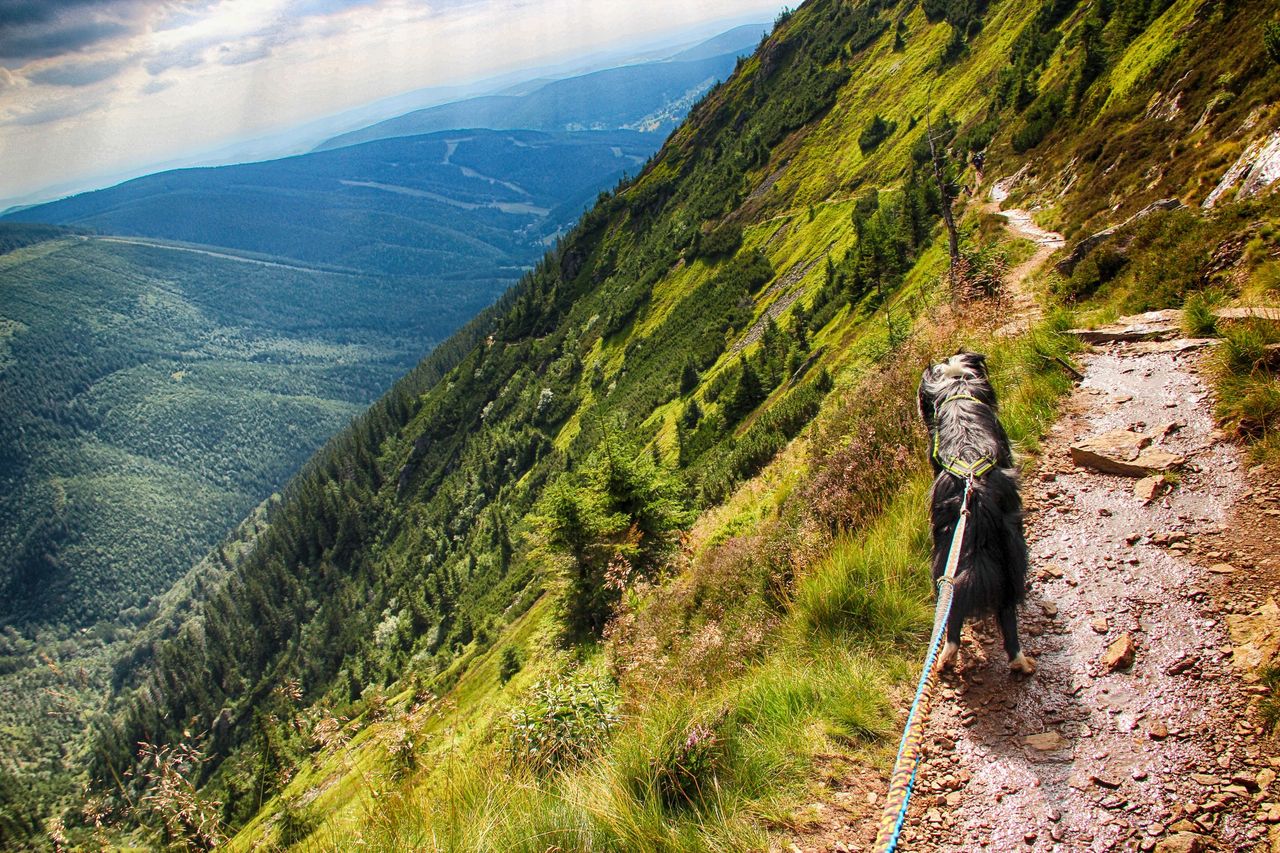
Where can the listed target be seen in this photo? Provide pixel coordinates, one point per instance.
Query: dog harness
(961, 468)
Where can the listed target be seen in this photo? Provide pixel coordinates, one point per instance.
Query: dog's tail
(992, 574)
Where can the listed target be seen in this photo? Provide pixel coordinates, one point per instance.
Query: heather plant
(870, 446)
(685, 771)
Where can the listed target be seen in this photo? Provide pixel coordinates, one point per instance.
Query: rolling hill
(153, 393)
(476, 206)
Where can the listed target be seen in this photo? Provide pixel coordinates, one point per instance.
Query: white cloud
(159, 80)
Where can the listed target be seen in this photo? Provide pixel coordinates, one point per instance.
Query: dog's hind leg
(1018, 662)
(947, 659)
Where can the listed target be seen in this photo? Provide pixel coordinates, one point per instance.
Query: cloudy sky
(96, 90)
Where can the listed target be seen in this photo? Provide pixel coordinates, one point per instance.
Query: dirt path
(1079, 757)
(1023, 305)
(1165, 754)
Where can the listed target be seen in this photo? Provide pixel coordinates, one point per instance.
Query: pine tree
(747, 394)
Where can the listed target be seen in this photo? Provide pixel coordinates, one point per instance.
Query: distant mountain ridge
(648, 96)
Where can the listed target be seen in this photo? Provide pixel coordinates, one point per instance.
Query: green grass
(712, 767)
(1248, 389)
(1198, 320)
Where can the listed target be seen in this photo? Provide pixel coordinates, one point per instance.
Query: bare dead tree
(946, 196)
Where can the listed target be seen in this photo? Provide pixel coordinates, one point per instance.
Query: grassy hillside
(644, 550)
(473, 206)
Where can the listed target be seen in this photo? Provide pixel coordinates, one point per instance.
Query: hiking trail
(1138, 731)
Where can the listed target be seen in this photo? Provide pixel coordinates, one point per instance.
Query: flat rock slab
(1152, 326)
(1176, 345)
(1249, 312)
(1049, 741)
(1123, 452)
(1255, 639)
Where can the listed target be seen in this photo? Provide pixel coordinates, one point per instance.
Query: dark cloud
(40, 29)
(80, 73)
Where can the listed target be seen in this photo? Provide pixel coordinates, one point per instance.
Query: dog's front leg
(947, 659)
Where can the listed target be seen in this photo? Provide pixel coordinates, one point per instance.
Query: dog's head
(963, 373)
(969, 366)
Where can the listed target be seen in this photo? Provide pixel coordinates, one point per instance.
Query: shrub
(1271, 39)
(1040, 119)
(978, 137)
(876, 132)
(723, 240)
(609, 521)
(561, 722)
(761, 442)
(509, 665)
(1097, 268)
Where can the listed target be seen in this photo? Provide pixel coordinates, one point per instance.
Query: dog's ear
(924, 399)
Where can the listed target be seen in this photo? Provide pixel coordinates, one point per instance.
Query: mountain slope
(460, 206)
(650, 96)
(154, 392)
(410, 657)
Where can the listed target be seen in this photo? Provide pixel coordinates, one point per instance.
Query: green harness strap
(961, 468)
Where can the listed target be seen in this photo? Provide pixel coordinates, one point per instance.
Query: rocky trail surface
(1137, 731)
(1151, 603)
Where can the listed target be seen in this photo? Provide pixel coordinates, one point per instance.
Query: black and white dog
(966, 439)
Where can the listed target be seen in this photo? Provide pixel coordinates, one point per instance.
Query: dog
(966, 441)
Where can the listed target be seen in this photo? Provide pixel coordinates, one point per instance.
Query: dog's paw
(1023, 664)
(947, 659)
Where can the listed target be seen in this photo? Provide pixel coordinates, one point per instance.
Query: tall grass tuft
(1198, 320)
(1247, 387)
